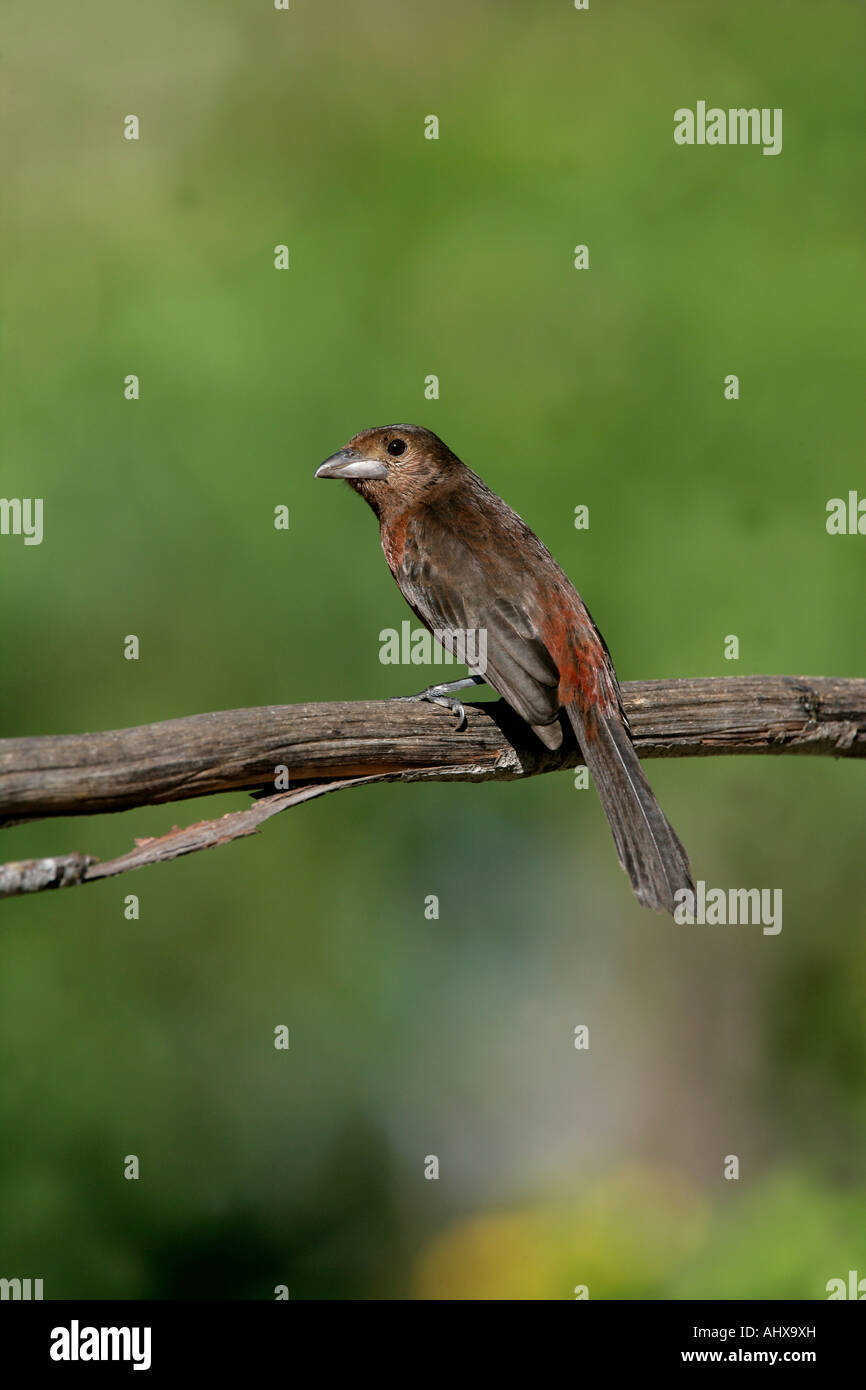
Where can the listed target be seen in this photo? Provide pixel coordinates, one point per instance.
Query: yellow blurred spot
(621, 1236)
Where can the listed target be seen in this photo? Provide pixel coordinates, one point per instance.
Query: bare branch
(327, 747)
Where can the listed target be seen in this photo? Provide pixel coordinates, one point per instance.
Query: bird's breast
(393, 535)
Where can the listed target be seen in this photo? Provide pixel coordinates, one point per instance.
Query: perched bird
(463, 560)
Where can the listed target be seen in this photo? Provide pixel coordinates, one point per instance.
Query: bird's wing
(449, 583)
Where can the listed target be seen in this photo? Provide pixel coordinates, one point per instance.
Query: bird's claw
(455, 707)
(435, 695)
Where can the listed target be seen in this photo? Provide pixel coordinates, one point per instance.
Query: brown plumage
(464, 560)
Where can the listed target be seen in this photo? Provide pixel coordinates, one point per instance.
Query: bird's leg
(438, 695)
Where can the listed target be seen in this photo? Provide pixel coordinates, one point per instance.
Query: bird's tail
(648, 847)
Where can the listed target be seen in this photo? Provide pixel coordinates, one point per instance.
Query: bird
(465, 561)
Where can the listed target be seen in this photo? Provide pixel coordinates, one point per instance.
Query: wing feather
(449, 584)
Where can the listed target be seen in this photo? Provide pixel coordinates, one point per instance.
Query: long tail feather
(648, 847)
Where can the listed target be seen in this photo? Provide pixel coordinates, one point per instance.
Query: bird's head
(393, 466)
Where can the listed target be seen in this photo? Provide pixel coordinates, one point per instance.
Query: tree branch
(327, 747)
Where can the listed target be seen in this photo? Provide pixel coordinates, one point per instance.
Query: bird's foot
(439, 695)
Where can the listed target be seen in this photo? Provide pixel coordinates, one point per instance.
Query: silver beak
(346, 464)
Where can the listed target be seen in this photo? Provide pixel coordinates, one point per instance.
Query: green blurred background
(605, 387)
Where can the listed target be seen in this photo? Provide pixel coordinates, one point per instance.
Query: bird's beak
(347, 464)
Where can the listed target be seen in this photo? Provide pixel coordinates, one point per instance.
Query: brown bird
(465, 562)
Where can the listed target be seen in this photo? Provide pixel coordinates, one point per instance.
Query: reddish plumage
(464, 560)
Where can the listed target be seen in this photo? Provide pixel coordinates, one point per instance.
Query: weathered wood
(81, 774)
(329, 747)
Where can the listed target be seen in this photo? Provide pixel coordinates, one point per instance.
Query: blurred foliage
(601, 387)
(640, 1233)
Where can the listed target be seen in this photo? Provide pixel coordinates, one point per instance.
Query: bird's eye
(396, 448)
